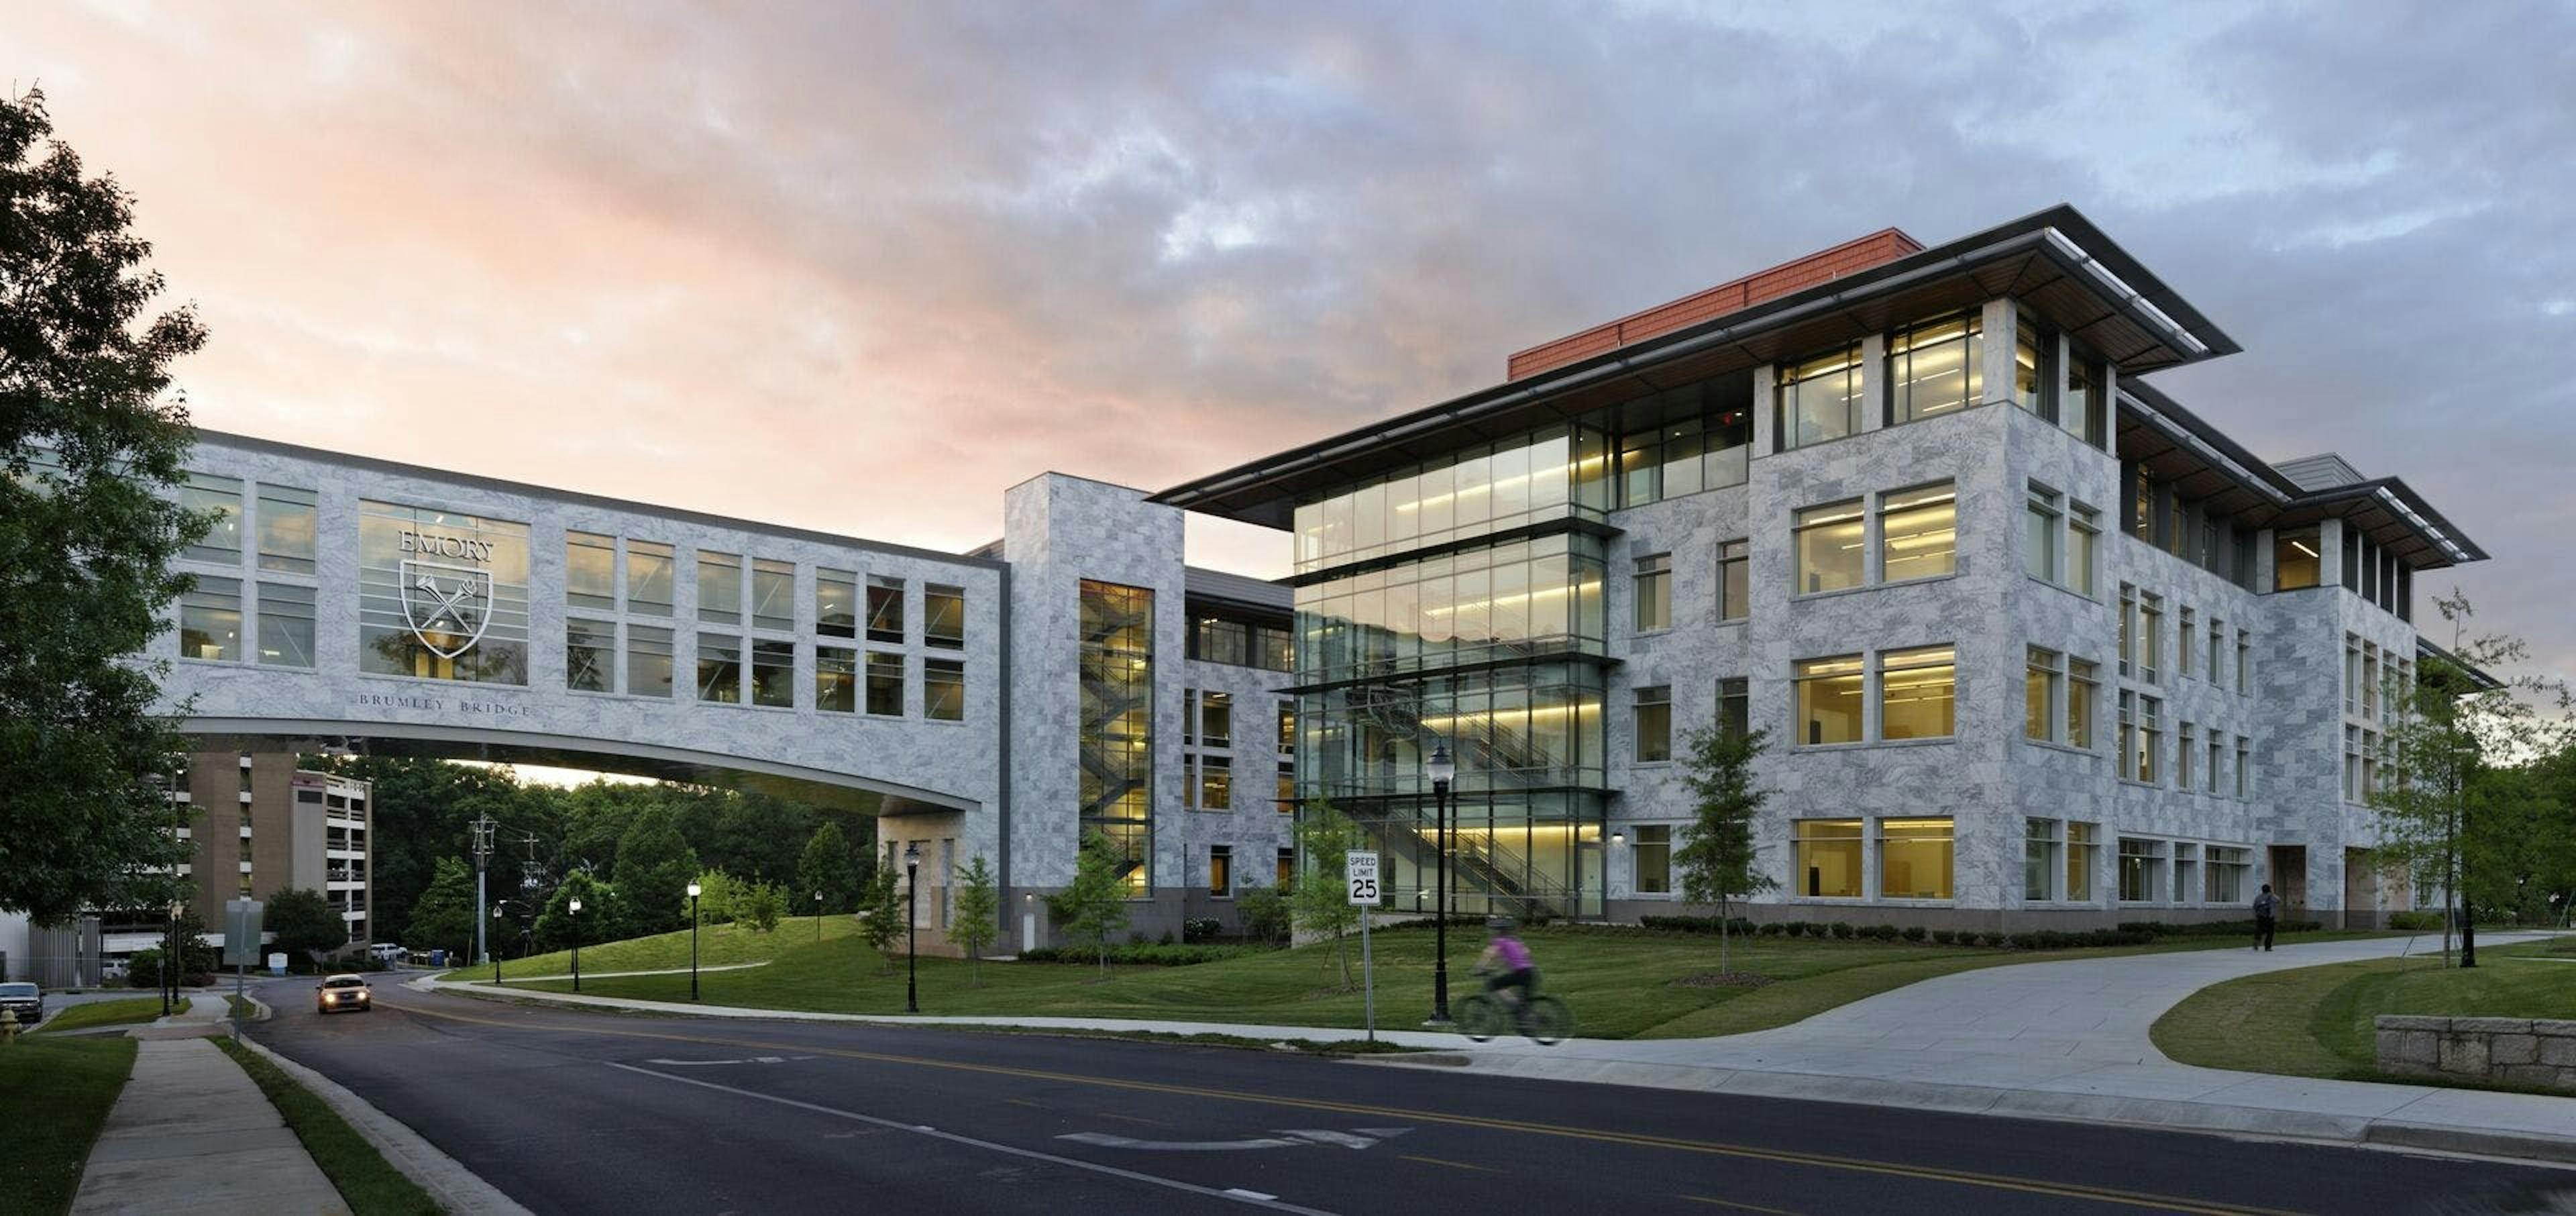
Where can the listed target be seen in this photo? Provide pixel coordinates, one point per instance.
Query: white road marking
(1013, 1150)
(1111, 1140)
(711, 1063)
(1239, 1191)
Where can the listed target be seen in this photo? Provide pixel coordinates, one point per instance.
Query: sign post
(1361, 868)
(241, 946)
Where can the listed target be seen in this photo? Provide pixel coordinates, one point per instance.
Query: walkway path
(192, 1133)
(509, 978)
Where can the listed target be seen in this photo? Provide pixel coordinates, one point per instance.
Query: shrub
(1915, 933)
(1885, 933)
(1147, 954)
(1265, 914)
(1842, 930)
(1795, 928)
(1199, 929)
(1943, 937)
(1771, 929)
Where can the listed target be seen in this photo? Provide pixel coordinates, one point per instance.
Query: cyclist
(1508, 961)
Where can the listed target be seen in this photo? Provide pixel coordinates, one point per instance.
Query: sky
(861, 268)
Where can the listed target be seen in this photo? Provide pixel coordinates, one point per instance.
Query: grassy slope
(58, 1093)
(2316, 1021)
(718, 945)
(369, 1185)
(1619, 984)
(104, 1013)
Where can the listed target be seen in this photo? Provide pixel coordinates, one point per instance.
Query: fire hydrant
(8, 1025)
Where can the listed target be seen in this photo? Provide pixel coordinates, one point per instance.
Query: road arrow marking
(711, 1063)
(1107, 1140)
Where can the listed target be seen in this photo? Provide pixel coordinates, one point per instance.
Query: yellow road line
(1133, 1119)
(2069, 1190)
(1455, 1165)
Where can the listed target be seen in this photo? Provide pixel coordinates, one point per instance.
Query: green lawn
(1620, 984)
(369, 1185)
(718, 945)
(58, 1093)
(2317, 1021)
(104, 1013)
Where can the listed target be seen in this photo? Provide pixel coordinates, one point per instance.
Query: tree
(443, 917)
(305, 924)
(758, 905)
(1095, 905)
(1265, 913)
(827, 867)
(1718, 862)
(717, 893)
(1321, 898)
(654, 866)
(881, 916)
(89, 523)
(978, 912)
(559, 925)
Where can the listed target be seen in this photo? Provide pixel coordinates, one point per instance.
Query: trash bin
(437, 958)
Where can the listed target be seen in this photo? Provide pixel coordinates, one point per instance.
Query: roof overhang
(2054, 262)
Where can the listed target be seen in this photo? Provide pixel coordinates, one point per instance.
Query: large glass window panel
(943, 617)
(590, 656)
(1215, 783)
(1216, 719)
(648, 577)
(2029, 368)
(2039, 859)
(2040, 521)
(836, 679)
(720, 588)
(885, 609)
(836, 603)
(2142, 864)
(1653, 858)
(885, 684)
(648, 661)
(1734, 707)
(943, 690)
(288, 529)
(1654, 587)
(2083, 539)
(1918, 693)
(1918, 532)
(773, 673)
(1828, 858)
(2040, 685)
(720, 668)
(220, 497)
(1829, 700)
(1829, 543)
(2083, 694)
(2150, 739)
(590, 570)
(773, 595)
(1734, 580)
(1914, 858)
(1511, 479)
(2295, 558)
(1934, 368)
(1818, 398)
(2080, 413)
(1685, 443)
(2083, 841)
(1730, 447)
(1654, 720)
(285, 625)
(1115, 721)
(2151, 634)
(442, 595)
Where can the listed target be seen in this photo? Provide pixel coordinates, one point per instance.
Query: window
(1221, 871)
(2186, 871)
(2151, 632)
(1287, 867)
(943, 617)
(1918, 533)
(885, 684)
(2039, 534)
(836, 603)
(1828, 857)
(2184, 631)
(2228, 866)
(720, 587)
(2141, 869)
(1914, 858)
(2082, 842)
(2370, 681)
(2124, 762)
(210, 620)
(2080, 410)
(2083, 688)
(1734, 585)
(1216, 783)
(1287, 730)
(1818, 399)
(2128, 629)
(2369, 765)
(2294, 558)
(2244, 769)
(1935, 367)
(773, 673)
(648, 661)
(1829, 706)
(286, 529)
(2244, 661)
(205, 493)
(885, 609)
(1917, 693)
(773, 595)
(2209, 778)
(590, 570)
(943, 690)
(1272, 649)
(719, 668)
(1653, 856)
(2217, 651)
(2351, 674)
(2028, 366)
(2083, 536)
(1654, 723)
(2187, 742)
(1216, 719)
(590, 656)
(2142, 508)
(2040, 850)
(285, 625)
(836, 679)
(1654, 592)
(2151, 738)
(648, 577)
(1218, 640)
(1829, 544)
(2043, 680)
(1734, 709)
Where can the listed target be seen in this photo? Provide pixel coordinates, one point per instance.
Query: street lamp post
(574, 908)
(496, 955)
(1442, 770)
(693, 941)
(818, 916)
(911, 928)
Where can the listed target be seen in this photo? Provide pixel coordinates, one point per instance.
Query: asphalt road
(580, 1113)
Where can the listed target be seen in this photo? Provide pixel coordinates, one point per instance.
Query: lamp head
(693, 890)
(1441, 769)
(912, 853)
(574, 905)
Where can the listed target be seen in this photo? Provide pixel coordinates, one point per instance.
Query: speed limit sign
(1362, 869)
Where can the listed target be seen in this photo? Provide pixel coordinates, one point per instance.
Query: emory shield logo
(448, 607)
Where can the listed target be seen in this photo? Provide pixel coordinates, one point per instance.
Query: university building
(2032, 643)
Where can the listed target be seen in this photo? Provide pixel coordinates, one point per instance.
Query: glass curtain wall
(1511, 601)
(1116, 724)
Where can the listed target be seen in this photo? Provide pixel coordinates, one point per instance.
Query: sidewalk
(2056, 1040)
(192, 1133)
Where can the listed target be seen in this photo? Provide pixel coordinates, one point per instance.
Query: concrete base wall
(2494, 1051)
(1982, 920)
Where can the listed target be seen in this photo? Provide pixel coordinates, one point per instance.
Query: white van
(385, 952)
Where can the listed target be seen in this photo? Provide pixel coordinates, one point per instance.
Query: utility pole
(482, 906)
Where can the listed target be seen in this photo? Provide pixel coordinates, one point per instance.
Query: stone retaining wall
(2498, 1051)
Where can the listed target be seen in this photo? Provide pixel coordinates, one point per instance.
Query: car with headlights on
(343, 993)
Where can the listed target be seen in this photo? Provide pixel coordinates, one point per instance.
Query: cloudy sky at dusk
(861, 270)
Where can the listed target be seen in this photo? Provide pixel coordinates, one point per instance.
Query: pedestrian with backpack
(2267, 910)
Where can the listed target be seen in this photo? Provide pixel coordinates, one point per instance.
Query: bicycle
(1543, 1019)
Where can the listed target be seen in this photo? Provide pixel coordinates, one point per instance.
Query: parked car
(25, 1000)
(343, 992)
(386, 952)
(113, 973)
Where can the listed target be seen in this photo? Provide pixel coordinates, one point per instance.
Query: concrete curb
(456, 1188)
